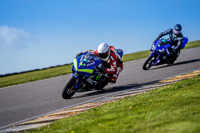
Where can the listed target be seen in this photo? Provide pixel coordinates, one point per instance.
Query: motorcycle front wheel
(69, 90)
(148, 63)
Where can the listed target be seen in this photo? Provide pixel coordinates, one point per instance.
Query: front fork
(155, 58)
(78, 80)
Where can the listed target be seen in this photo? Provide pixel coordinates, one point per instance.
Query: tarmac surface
(25, 102)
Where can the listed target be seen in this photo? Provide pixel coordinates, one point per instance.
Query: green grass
(135, 56)
(143, 54)
(192, 44)
(62, 70)
(34, 75)
(170, 109)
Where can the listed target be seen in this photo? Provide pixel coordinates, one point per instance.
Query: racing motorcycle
(160, 53)
(88, 73)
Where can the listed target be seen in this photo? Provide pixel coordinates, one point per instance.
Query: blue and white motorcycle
(160, 53)
(88, 72)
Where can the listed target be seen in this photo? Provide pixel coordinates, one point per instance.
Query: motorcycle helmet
(177, 29)
(103, 51)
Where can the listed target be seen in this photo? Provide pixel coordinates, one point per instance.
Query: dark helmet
(177, 29)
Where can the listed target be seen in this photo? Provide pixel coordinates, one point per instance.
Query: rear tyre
(148, 63)
(69, 90)
(173, 59)
(170, 62)
(101, 86)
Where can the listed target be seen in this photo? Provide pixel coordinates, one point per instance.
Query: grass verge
(173, 108)
(62, 70)
(34, 75)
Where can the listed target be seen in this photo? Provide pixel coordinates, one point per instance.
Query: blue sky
(42, 33)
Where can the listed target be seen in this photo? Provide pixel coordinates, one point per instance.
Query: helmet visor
(176, 31)
(104, 55)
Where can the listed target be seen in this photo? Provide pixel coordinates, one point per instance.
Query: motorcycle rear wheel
(69, 90)
(170, 62)
(148, 63)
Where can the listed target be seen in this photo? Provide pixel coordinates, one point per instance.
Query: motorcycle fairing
(80, 66)
(84, 67)
(185, 41)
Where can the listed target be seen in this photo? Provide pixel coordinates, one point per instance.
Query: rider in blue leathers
(176, 38)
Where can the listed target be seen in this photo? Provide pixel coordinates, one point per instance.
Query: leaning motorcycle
(88, 73)
(160, 52)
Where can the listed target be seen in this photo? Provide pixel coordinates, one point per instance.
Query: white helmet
(103, 51)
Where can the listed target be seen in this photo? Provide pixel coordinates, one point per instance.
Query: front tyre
(69, 90)
(148, 63)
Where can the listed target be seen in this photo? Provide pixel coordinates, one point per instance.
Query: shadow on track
(114, 89)
(178, 63)
(130, 86)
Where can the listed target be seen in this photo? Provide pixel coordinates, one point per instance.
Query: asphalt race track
(29, 100)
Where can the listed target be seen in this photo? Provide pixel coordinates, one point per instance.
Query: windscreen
(89, 57)
(163, 42)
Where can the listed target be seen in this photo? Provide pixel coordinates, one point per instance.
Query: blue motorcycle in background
(87, 72)
(160, 53)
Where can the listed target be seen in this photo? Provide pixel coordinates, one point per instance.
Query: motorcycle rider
(176, 38)
(112, 61)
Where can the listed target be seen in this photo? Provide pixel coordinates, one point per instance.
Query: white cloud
(13, 37)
